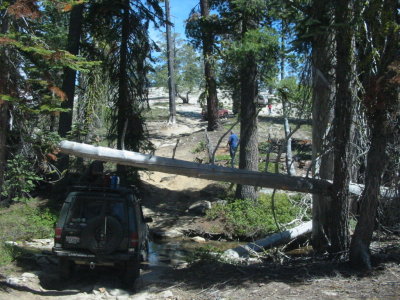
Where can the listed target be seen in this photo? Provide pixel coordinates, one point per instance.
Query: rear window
(86, 207)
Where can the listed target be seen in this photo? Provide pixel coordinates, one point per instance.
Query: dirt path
(167, 198)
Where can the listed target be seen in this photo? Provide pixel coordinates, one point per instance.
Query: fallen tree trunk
(191, 169)
(211, 172)
(273, 240)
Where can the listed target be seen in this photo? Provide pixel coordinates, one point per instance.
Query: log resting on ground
(268, 242)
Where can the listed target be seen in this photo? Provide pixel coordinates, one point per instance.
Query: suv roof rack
(88, 188)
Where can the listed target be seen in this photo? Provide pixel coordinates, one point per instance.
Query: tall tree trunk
(289, 158)
(123, 105)
(248, 158)
(209, 71)
(171, 74)
(4, 105)
(359, 252)
(323, 60)
(236, 100)
(382, 103)
(338, 227)
(68, 85)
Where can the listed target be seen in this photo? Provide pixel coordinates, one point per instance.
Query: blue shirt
(233, 140)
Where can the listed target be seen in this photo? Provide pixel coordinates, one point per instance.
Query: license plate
(72, 239)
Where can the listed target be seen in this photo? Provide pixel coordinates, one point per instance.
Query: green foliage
(201, 147)
(187, 67)
(20, 180)
(271, 167)
(23, 222)
(33, 45)
(296, 95)
(251, 219)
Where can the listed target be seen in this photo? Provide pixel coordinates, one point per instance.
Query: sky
(180, 10)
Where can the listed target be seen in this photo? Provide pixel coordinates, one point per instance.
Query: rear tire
(131, 272)
(66, 268)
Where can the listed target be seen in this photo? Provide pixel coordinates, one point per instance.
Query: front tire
(144, 256)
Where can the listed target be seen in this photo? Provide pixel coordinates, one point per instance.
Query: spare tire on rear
(102, 235)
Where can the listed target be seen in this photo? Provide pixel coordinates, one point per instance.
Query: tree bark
(323, 60)
(171, 74)
(212, 172)
(68, 86)
(359, 252)
(248, 155)
(288, 138)
(209, 71)
(273, 240)
(338, 226)
(4, 105)
(381, 101)
(123, 104)
(191, 169)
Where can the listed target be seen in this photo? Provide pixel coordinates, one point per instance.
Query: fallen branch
(276, 239)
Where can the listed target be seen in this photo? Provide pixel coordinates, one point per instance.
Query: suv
(222, 113)
(102, 227)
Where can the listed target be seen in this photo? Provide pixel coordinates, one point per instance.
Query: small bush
(201, 147)
(20, 180)
(252, 219)
(23, 222)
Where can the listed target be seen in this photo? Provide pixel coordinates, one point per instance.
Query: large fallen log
(211, 172)
(191, 169)
(276, 239)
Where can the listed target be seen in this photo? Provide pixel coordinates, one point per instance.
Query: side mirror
(148, 219)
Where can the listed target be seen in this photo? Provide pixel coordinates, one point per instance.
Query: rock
(182, 265)
(198, 239)
(166, 294)
(231, 254)
(11, 243)
(220, 202)
(118, 292)
(167, 178)
(13, 281)
(330, 293)
(199, 207)
(141, 296)
(28, 275)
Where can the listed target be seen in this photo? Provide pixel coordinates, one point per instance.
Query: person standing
(233, 143)
(269, 108)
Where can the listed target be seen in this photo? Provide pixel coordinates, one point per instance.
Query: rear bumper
(90, 257)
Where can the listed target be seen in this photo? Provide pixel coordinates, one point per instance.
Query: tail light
(57, 234)
(133, 240)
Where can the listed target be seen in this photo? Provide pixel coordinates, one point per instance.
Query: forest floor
(166, 198)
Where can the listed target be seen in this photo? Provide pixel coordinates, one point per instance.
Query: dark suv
(102, 227)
